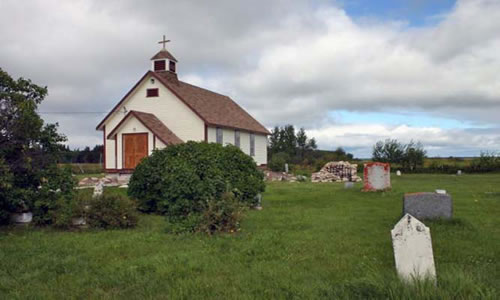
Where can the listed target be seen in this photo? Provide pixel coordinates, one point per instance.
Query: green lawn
(310, 241)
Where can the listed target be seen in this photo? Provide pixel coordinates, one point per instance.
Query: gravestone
(377, 176)
(441, 191)
(286, 168)
(348, 185)
(428, 205)
(412, 244)
(258, 197)
(22, 218)
(398, 173)
(98, 189)
(459, 172)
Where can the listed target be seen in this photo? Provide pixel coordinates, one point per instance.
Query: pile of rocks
(279, 176)
(93, 181)
(337, 171)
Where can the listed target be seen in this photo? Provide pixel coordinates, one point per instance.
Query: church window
(152, 93)
(160, 65)
(237, 138)
(252, 144)
(171, 66)
(219, 135)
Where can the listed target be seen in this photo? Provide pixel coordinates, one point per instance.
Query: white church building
(160, 110)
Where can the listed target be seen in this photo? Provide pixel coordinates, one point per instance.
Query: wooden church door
(135, 146)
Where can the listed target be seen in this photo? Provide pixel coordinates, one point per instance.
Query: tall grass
(310, 241)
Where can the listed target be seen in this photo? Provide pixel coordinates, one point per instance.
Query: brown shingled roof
(214, 108)
(164, 54)
(152, 123)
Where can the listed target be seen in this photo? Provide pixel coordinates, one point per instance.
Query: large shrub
(30, 151)
(180, 179)
(54, 193)
(112, 212)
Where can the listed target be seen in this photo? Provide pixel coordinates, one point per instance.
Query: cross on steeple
(164, 41)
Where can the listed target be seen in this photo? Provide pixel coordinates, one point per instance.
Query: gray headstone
(459, 172)
(398, 173)
(286, 168)
(348, 185)
(412, 244)
(428, 205)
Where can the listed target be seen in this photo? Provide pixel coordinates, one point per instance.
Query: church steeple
(164, 61)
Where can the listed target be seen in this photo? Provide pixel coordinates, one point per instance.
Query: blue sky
(414, 12)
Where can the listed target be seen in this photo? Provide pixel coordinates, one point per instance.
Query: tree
(410, 156)
(289, 140)
(390, 151)
(29, 148)
(312, 144)
(302, 144)
(414, 155)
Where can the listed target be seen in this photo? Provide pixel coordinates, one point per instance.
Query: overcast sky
(350, 72)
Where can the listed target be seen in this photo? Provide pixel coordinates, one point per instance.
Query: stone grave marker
(258, 197)
(98, 189)
(348, 185)
(398, 173)
(428, 205)
(459, 172)
(22, 218)
(286, 168)
(377, 176)
(412, 244)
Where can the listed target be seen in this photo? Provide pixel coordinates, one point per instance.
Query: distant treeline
(295, 148)
(85, 156)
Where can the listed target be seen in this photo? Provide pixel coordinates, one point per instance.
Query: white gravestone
(286, 168)
(459, 172)
(98, 189)
(377, 176)
(412, 244)
(398, 173)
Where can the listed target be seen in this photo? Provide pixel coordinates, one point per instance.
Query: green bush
(112, 212)
(180, 179)
(219, 215)
(55, 192)
(222, 215)
(77, 207)
(278, 161)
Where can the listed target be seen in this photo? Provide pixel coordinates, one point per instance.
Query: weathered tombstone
(377, 176)
(286, 168)
(21, 218)
(459, 172)
(348, 185)
(441, 191)
(98, 189)
(412, 244)
(80, 221)
(258, 197)
(428, 205)
(398, 173)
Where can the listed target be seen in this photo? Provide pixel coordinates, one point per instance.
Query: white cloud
(292, 62)
(360, 138)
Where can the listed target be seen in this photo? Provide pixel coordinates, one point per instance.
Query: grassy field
(310, 241)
